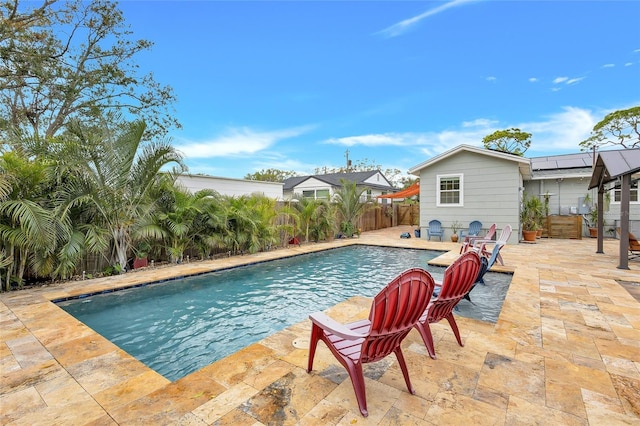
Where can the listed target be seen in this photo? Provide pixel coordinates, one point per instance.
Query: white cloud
(559, 132)
(237, 141)
(575, 80)
(533, 80)
(608, 65)
(491, 78)
(628, 64)
(479, 122)
(567, 80)
(407, 24)
(386, 139)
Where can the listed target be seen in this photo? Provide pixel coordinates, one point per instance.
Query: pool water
(179, 326)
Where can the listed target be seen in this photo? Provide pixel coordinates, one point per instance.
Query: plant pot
(539, 233)
(140, 262)
(454, 238)
(593, 232)
(529, 235)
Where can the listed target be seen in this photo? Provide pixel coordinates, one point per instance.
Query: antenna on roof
(346, 154)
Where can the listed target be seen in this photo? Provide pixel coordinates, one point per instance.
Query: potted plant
(415, 222)
(530, 217)
(141, 252)
(593, 222)
(455, 226)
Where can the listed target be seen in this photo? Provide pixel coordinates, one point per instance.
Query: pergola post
(625, 191)
(600, 224)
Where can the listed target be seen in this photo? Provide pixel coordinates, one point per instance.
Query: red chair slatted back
(394, 312)
(457, 281)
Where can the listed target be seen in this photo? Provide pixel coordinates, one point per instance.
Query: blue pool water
(179, 326)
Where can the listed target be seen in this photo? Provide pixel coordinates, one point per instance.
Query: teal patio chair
(474, 229)
(435, 229)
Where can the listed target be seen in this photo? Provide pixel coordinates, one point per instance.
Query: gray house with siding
(469, 183)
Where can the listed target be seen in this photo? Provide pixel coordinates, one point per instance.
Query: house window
(322, 194)
(449, 190)
(368, 195)
(316, 194)
(633, 193)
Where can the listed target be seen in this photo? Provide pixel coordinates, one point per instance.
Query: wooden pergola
(616, 165)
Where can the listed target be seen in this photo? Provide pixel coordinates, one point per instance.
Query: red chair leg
(357, 380)
(454, 327)
(405, 372)
(313, 344)
(427, 338)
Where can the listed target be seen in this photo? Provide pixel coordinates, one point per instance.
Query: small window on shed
(633, 193)
(449, 190)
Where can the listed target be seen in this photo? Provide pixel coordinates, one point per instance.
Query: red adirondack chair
(457, 281)
(394, 312)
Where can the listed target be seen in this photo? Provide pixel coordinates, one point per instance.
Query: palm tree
(351, 209)
(112, 172)
(309, 210)
(178, 221)
(251, 223)
(28, 227)
(324, 224)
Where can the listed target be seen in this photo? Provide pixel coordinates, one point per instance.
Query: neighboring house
(231, 187)
(325, 186)
(469, 183)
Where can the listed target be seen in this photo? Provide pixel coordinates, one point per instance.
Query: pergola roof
(610, 165)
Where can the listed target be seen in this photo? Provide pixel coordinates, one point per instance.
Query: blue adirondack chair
(474, 229)
(435, 229)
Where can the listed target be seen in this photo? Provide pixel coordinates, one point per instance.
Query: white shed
(231, 187)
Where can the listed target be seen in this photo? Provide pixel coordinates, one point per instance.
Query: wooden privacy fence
(389, 215)
(407, 214)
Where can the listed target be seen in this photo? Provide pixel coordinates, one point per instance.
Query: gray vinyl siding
(491, 193)
(567, 193)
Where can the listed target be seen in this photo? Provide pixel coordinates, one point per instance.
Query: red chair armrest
(327, 323)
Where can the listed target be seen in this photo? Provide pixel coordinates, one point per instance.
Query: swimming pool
(179, 326)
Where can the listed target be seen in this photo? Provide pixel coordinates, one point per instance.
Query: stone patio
(565, 350)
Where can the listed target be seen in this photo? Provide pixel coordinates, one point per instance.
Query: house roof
(524, 163)
(563, 161)
(613, 164)
(562, 166)
(334, 179)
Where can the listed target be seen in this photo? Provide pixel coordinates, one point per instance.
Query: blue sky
(292, 85)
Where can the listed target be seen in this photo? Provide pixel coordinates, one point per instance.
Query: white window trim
(613, 195)
(613, 199)
(447, 176)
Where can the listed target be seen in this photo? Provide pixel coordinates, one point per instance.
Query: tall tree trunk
(121, 247)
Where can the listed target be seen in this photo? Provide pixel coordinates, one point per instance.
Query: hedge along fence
(386, 216)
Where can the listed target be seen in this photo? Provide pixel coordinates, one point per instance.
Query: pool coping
(43, 345)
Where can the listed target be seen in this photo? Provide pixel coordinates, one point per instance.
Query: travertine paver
(565, 350)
